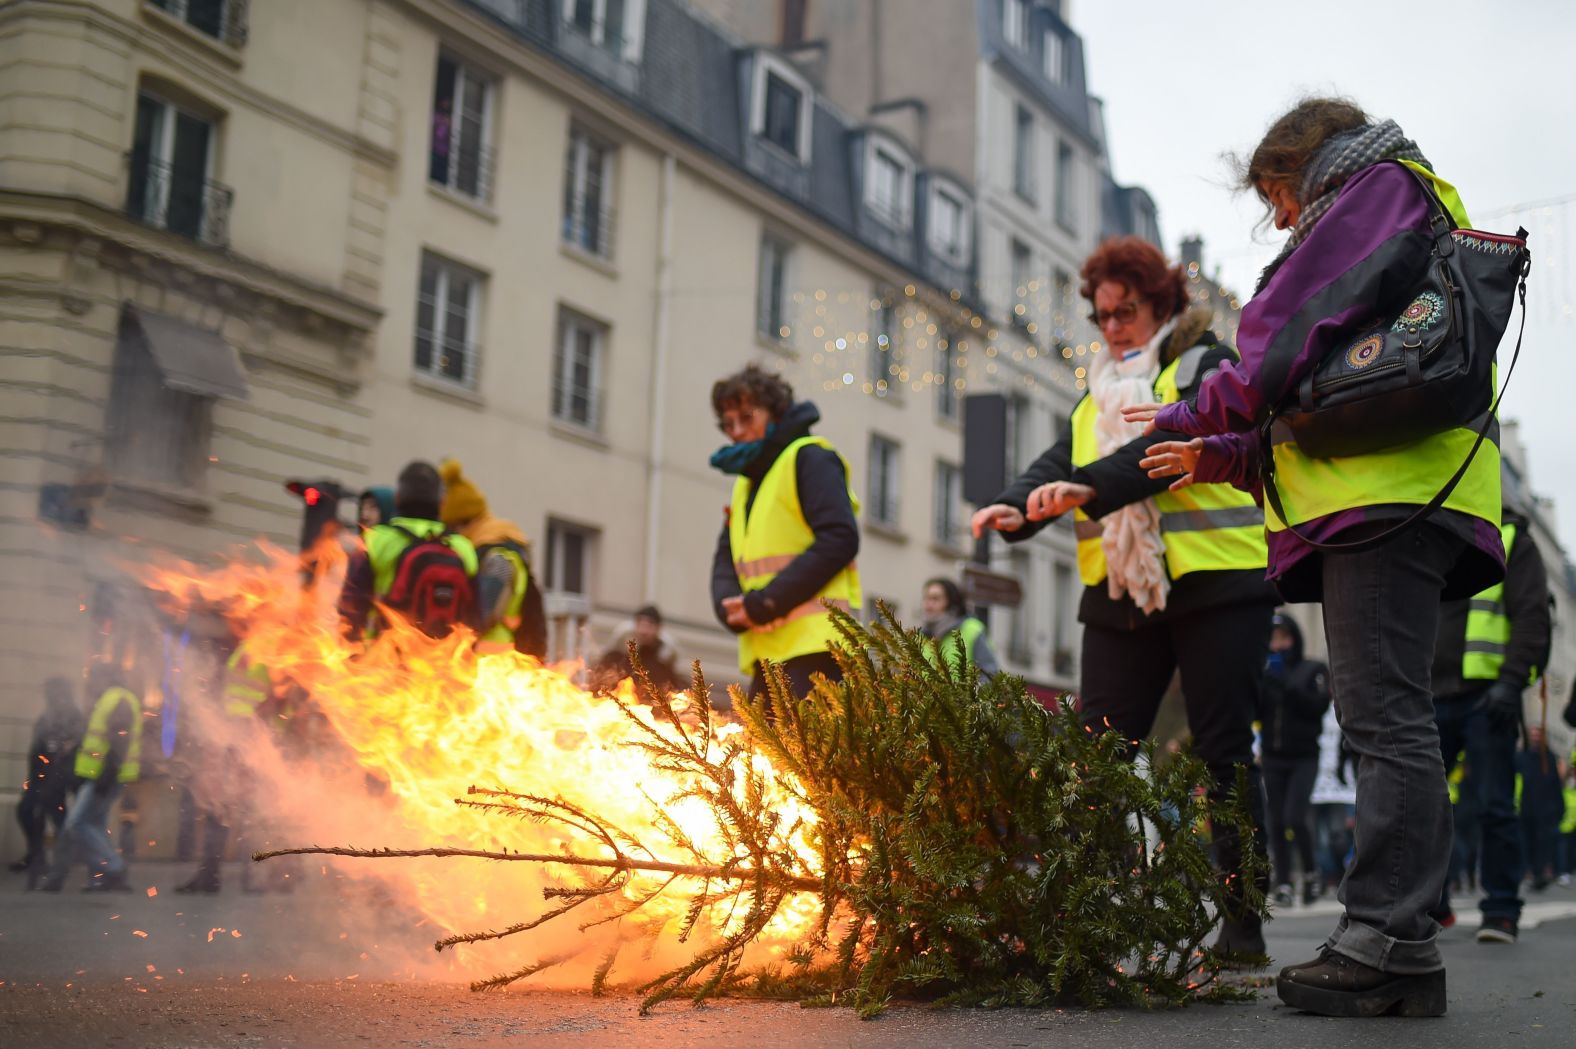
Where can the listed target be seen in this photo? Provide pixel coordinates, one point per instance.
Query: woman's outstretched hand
(1142, 413)
(1056, 498)
(1173, 459)
(997, 517)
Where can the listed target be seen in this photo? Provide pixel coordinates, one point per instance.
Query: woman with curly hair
(789, 540)
(1170, 584)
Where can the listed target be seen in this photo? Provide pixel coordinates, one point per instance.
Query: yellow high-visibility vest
(1410, 475)
(1205, 527)
(764, 541)
(246, 685)
(1488, 627)
(96, 742)
(501, 634)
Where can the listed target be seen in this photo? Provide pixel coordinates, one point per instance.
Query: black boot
(1240, 944)
(1335, 985)
(205, 880)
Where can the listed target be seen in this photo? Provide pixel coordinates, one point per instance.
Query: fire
(424, 721)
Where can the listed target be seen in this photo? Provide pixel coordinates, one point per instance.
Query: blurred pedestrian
(511, 614)
(1567, 849)
(375, 506)
(49, 776)
(108, 758)
(1491, 648)
(955, 632)
(1334, 801)
(1293, 699)
(789, 537)
(656, 654)
(1352, 192)
(1173, 581)
(1542, 806)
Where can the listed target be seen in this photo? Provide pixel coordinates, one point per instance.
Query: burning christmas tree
(913, 831)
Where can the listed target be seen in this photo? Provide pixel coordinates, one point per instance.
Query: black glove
(1345, 756)
(1502, 704)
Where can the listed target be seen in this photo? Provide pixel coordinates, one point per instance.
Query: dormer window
(781, 106)
(612, 25)
(1055, 61)
(1015, 22)
(889, 182)
(947, 228)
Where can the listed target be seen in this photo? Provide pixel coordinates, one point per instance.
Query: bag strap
(1267, 458)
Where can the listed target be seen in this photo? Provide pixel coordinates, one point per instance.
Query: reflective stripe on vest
(1488, 627)
(957, 645)
(245, 688)
(502, 632)
(764, 541)
(1205, 527)
(1410, 475)
(95, 744)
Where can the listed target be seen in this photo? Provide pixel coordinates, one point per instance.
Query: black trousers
(35, 812)
(1220, 654)
(1289, 784)
(799, 670)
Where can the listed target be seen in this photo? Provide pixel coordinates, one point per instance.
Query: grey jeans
(1381, 614)
(85, 836)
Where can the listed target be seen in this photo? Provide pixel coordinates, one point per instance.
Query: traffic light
(320, 503)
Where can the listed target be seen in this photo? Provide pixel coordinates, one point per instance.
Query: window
(221, 19)
(571, 563)
(1022, 278)
(588, 188)
(612, 25)
(947, 399)
(171, 157)
(883, 486)
(577, 371)
(883, 352)
(461, 147)
(1063, 308)
(1023, 152)
(1019, 426)
(771, 292)
(1065, 175)
(1015, 22)
(947, 516)
(793, 20)
(447, 307)
(889, 187)
(1063, 611)
(782, 114)
(1019, 626)
(1055, 57)
(154, 433)
(948, 225)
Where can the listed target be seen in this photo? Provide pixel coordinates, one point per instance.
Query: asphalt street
(315, 969)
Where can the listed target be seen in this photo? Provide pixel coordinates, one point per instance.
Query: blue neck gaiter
(1275, 663)
(736, 458)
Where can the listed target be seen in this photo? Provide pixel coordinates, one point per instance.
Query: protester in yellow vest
(510, 612)
(435, 594)
(1362, 235)
(789, 539)
(958, 635)
(108, 758)
(1490, 649)
(1173, 581)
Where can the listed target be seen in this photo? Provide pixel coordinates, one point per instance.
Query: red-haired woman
(1169, 583)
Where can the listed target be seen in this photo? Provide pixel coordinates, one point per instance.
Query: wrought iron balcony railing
(588, 227)
(180, 201)
(224, 20)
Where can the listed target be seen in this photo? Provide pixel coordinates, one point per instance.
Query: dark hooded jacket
(1293, 698)
(1527, 608)
(823, 498)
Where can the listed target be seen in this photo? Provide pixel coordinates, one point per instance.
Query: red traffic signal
(322, 508)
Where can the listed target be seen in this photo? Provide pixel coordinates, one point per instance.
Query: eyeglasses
(728, 422)
(1123, 314)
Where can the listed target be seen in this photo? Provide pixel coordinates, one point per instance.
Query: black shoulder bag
(1426, 370)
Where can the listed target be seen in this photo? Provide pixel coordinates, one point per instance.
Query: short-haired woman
(1351, 192)
(790, 537)
(1169, 584)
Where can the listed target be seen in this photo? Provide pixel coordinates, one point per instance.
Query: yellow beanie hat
(461, 499)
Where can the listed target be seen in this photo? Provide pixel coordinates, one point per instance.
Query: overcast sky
(1487, 88)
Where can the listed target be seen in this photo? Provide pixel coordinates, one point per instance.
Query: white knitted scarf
(1134, 551)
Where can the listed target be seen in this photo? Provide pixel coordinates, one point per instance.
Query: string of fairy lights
(880, 345)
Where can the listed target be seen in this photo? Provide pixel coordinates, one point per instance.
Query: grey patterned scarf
(1341, 157)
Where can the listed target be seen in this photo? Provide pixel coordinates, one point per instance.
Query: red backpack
(432, 588)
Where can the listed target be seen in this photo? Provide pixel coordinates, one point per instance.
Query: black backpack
(432, 587)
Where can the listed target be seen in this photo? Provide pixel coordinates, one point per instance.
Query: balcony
(179, 201)
(467, 171)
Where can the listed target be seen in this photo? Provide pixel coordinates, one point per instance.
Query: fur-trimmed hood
(1188, 333)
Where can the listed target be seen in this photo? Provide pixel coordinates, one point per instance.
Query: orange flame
(432, 718)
